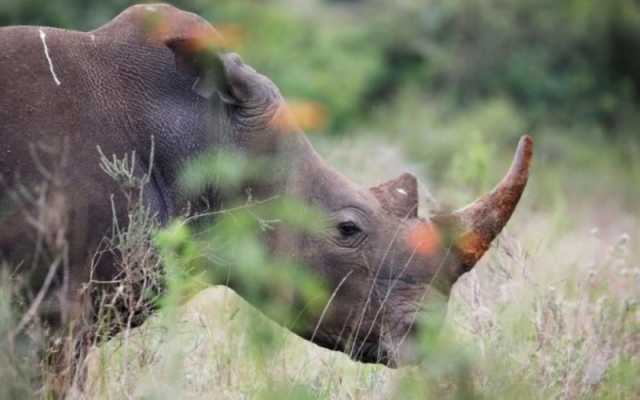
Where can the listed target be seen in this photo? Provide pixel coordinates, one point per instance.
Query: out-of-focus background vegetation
(444, 88)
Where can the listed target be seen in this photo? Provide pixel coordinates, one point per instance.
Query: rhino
(132, 85)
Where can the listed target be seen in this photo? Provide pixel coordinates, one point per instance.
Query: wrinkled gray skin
(123, 83)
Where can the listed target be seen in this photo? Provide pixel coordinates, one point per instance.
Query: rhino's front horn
(475, 226)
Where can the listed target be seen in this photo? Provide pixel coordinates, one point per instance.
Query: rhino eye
(348, 229)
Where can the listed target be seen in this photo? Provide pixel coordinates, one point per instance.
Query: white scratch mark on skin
(93, 37)
(401, 191)
(43, 37)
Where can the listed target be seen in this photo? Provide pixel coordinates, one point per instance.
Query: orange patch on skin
(205, 38)
(292, 116)
(472, 245)
(202, 37)
(425, 238)
(233, 35)
(157, 26)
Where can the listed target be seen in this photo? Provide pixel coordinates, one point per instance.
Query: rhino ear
(223, 73)
(199, 59)
(399, 196)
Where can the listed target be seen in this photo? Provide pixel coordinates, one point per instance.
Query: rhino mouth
(373, 352)
(365, 351)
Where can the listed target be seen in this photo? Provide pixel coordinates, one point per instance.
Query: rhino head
(386, 265)
(382, 261)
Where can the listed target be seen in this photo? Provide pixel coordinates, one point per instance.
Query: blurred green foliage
(18, 352)
(227, 247)
(569, 59)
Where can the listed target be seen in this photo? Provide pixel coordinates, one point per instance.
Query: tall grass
(512, 331)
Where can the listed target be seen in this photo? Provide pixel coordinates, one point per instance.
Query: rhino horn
(476, 225)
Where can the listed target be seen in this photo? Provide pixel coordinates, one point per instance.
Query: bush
(567, 61)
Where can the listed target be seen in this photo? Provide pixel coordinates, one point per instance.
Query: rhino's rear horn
(476, 225)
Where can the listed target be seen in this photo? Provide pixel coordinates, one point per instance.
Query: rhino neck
(307, 177)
